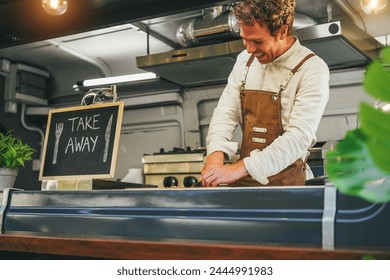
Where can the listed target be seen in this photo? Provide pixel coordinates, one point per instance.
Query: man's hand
(215, 172)
(215, 159)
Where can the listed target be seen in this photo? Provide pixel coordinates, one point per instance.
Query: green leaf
(20, 161)
(377, 81)
(385, 55)
(374, 122)
(352, 169)
(380, 155)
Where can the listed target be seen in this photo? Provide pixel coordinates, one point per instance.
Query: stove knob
(170, 181)
(190, 181)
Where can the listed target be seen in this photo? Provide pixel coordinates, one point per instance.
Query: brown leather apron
(261, 112)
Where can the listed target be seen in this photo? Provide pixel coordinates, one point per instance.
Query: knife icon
(107, 138)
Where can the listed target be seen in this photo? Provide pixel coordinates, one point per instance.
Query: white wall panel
(145, 131)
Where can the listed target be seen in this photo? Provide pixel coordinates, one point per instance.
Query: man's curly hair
(272, 13)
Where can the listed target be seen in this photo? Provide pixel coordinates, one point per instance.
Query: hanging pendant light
(373, 7)
(55, 7)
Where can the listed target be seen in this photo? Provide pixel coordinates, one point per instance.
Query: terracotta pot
(7, 178)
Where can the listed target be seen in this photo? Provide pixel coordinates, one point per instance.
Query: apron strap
(301, 63)
(243, 82)
(293, 71)
(283, 86)
(250, 60)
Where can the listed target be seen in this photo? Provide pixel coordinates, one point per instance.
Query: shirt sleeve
(226, 116)
(311, 97)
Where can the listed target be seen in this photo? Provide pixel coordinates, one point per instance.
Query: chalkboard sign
(82, 142)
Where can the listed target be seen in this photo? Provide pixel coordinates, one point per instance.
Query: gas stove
(178, 168)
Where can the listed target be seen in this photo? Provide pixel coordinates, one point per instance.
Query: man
(277, 91)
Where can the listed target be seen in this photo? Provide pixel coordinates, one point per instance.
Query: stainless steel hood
(194, 66)
(341, 44)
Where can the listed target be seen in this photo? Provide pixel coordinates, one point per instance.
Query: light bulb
(55, 7)
(373, 7)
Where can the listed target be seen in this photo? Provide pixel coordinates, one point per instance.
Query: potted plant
(13, 154)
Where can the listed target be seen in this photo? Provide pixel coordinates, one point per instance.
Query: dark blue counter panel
(288, 215)
(363, 223)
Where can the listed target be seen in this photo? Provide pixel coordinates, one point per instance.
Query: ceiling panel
(25, 21)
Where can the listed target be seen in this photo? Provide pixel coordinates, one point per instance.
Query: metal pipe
(221, 28)
(329, 10)
(349, 11)
(301, 21)
(196, 31)
(31, 128)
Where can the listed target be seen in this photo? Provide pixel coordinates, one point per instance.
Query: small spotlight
(55, 7)
(373, 7)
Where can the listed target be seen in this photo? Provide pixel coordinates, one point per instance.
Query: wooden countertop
(153, 250)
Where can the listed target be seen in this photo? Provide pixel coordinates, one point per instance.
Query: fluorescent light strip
(119, 79)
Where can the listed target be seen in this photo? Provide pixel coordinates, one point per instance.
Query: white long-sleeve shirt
(303, 103)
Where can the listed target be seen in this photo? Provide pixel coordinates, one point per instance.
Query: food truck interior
(51, 61)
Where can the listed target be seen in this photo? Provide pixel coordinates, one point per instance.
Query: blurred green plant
(360, 164)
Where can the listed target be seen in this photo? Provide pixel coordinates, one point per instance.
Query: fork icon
(59, 129)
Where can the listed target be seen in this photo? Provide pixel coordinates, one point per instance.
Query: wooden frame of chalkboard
(82, 142)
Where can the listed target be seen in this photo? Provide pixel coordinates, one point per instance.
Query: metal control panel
(176, 168)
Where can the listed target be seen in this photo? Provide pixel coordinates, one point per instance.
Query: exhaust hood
(194, 66)
(341, 44)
